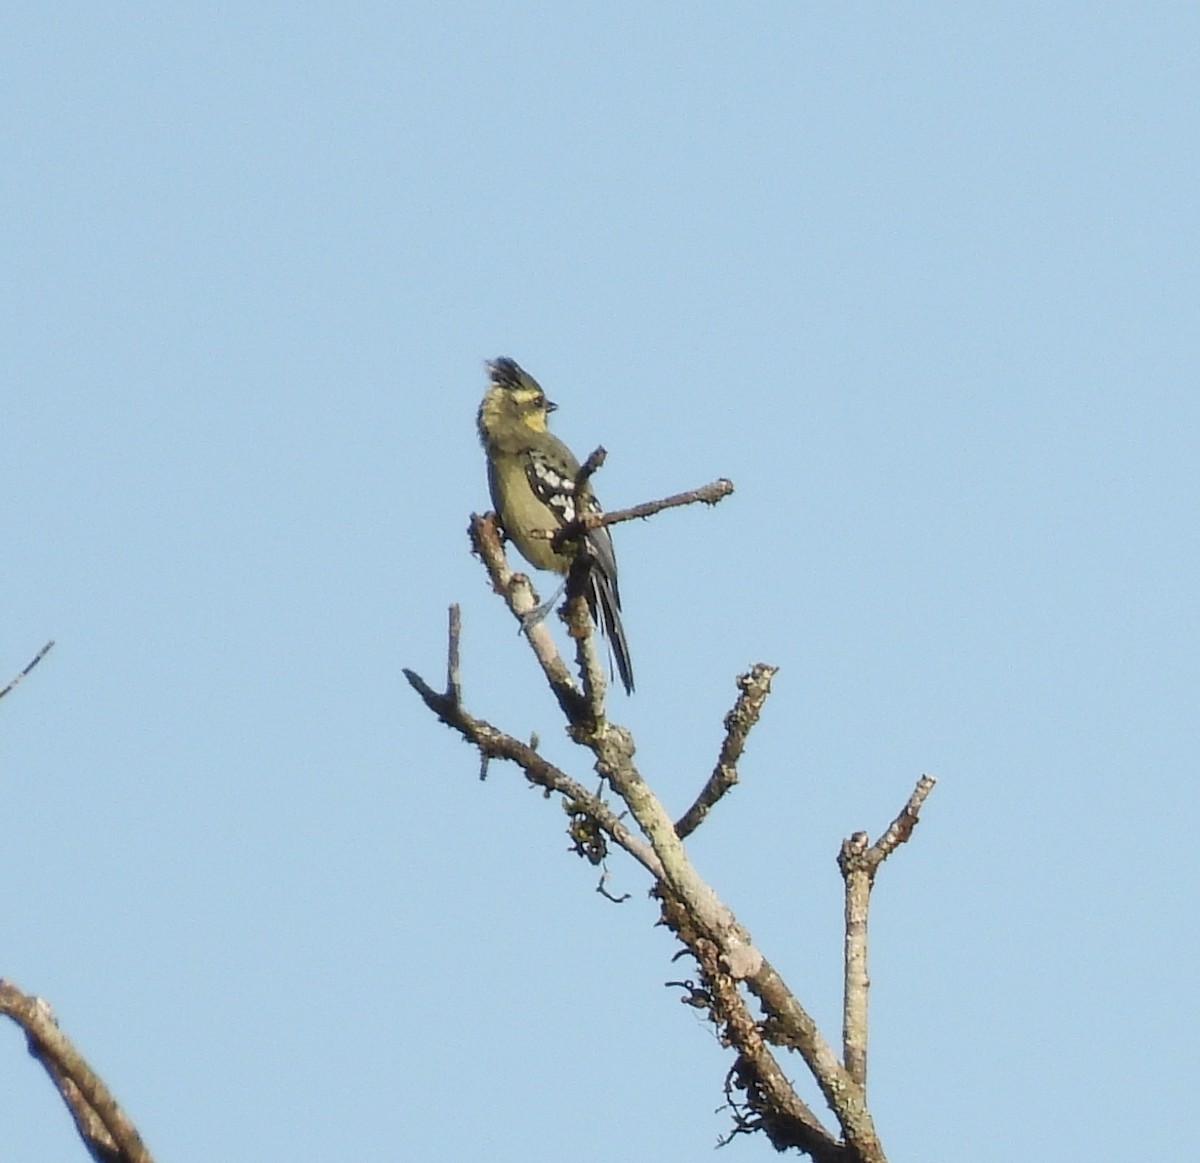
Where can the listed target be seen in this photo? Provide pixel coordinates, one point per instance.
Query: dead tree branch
(734, 976)
(106, 1131)
(492, 743)
(709, 494)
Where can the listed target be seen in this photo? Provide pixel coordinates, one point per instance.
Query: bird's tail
(605, 601)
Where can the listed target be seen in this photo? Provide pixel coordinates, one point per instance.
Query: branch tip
(753, 688)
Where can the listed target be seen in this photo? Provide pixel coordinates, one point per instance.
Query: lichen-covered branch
(753, 688)
(493, 743)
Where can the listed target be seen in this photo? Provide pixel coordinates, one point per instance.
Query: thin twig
(753, 688)
(901, 828)
(16, 682)
(708, 494)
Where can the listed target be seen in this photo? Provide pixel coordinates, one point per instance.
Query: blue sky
(922, 283)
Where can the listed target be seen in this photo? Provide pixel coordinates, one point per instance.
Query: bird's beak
(551, 406)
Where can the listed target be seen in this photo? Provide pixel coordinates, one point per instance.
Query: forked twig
(859, 861)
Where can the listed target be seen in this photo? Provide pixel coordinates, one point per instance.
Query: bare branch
(589, 466)
(737, 956)
(518, 594)
(754, 686)
(708, 494)
(664, 856)
(856, 873)
(722, 948)
(859, 861)
(578, 621)
(16, 682)
(495, 744)
(790, 1122)
(901, 828)
(791, 1024)
(106, 1130)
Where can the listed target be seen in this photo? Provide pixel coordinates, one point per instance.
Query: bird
(531, 476)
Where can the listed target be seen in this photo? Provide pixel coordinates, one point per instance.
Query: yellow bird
(531, 474)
